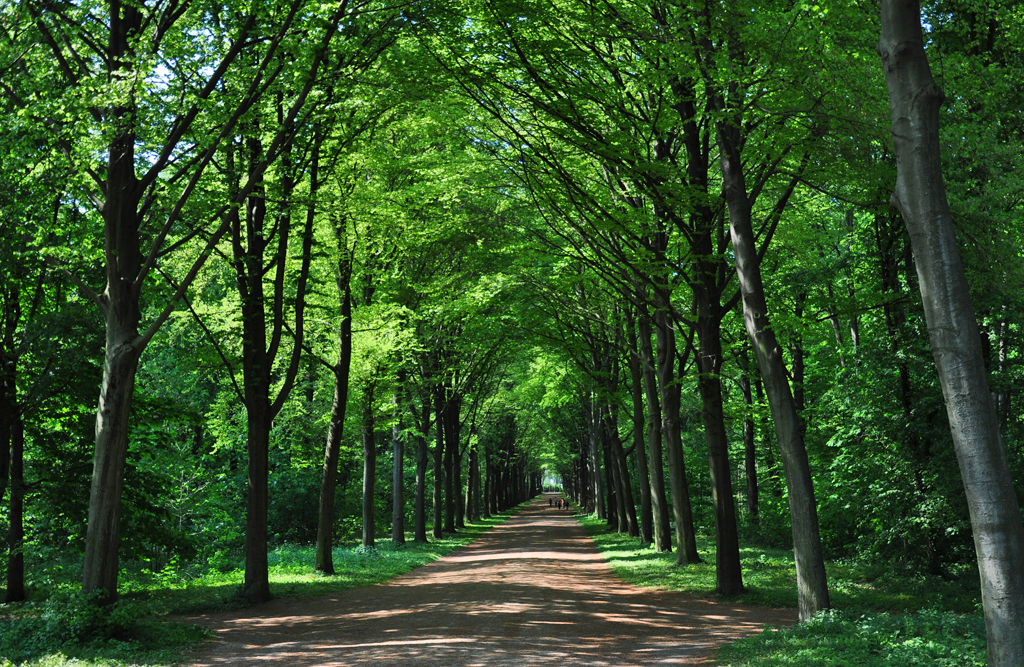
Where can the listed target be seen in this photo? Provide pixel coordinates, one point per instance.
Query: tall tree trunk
(11, 314)
(258, 352)
(627, 516)
(120, 305)
(636, 391)
(460, 497)
(729, 578)
(659, 503)
(16, 534)
(953, 331)
(596, 474)
(851, 291)
(450, 449)
(505, 490)
(812, 586)
(1002, 397)
(438, 518)
(616, 510)
(487, 486)
(257, 570)
(369, 467)
(398, 468)
(686, 538)
(749, 442)
(473, 513)
(766, 437)
(586, 489)
(421, 475)
(99, 568)
(336, 426)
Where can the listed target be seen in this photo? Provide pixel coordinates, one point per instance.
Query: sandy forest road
(532, 591)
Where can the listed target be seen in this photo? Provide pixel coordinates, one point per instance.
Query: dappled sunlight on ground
(531, 591)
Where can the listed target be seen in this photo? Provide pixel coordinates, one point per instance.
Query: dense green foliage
(887, 613)
(492, 198)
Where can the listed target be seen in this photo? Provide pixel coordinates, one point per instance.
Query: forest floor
(533, 590)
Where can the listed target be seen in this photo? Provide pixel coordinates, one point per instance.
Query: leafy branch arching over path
(533, 590)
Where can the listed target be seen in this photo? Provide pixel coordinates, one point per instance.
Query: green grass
(885, 614)
(841, 638)
(66, 629)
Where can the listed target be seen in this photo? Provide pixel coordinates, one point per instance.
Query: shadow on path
(531, 591)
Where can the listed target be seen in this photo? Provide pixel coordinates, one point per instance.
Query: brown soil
(532, 591)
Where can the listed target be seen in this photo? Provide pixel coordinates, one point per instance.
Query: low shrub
(38, 628)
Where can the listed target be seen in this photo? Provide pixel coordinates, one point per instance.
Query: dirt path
(531, 591)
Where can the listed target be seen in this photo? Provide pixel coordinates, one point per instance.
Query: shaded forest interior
(353, 272)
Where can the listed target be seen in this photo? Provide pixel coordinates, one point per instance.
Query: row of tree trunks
(594, 459)
(625, 503)
(509, 480)
(665, 356)
(659, 502)
(127, 268)
(639, 444)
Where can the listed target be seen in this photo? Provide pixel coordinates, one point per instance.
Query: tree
(144, 218)
(920, 197)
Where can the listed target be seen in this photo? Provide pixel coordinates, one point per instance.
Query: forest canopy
(307, 272)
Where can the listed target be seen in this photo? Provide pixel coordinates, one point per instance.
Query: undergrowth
(885, 614)
(847, 638)
(64, 628)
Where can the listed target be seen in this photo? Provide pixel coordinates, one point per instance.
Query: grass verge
(885, 614)
(68, 629)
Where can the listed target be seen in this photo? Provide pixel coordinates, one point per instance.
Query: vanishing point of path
(531, 591)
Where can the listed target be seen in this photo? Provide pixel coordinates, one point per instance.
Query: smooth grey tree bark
(811, 580)
(920, 196)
